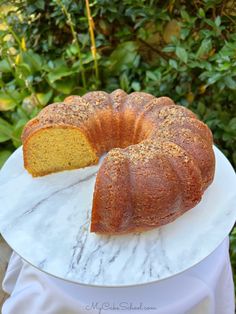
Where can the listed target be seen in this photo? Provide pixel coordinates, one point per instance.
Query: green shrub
(184, 50)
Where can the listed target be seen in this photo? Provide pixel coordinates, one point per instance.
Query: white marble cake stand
(46, 221)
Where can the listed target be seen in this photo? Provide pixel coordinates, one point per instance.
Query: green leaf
(230, 82)
(59, 73)
(204, 48)
(182, 54)
(151, 75)
(201, 108)
(60, 98)
(136, 86)
(123, 57)
(185, 15)
(4, 66)
(40, 4)
(213, 78)
(84, 38)
(168, 49)
(88, 58)
(232, 124)
(64, 86)
(201, 13)
(4, 155)
(21, 123)
(16, 139)
(173, 63)
(210, 22)
(44, 97)
(124, 82)
(4, 136)
(24, 68)
(33, 60)
(184, 33)
(73, 49)
(6, 102)
(218, 21)
(5, 130)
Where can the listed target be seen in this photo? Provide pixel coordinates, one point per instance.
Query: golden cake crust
(160, 157)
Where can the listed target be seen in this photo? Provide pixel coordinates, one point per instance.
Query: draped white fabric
(206, 288)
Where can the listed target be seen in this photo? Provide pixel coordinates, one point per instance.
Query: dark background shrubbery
(183, 49)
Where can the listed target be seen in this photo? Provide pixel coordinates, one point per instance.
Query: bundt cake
(160, 157)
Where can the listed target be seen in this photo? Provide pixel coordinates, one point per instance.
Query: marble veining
(47, 220)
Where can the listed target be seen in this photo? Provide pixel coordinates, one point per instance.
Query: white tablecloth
(205, 288)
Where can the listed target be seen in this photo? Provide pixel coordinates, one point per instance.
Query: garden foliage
(183, 49)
